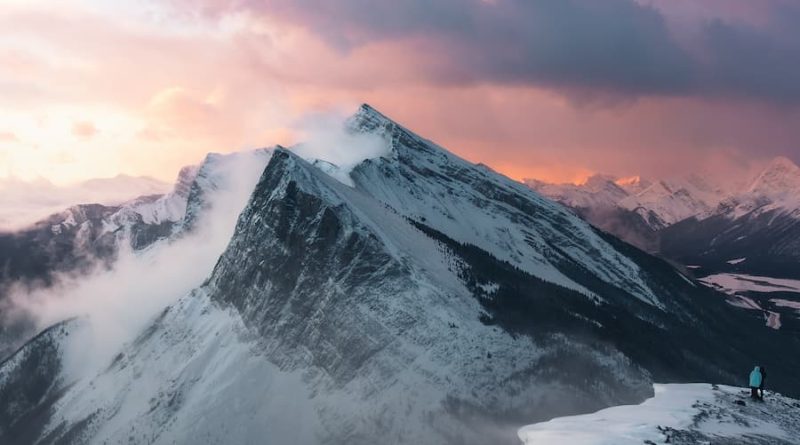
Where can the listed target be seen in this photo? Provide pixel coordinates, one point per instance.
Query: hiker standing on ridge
(756, 380)
(763, 372)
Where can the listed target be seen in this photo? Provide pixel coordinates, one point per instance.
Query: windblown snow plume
(335, 150)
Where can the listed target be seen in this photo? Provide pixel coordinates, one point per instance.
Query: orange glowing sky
(95, 88)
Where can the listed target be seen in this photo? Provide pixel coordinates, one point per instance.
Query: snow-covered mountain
(666, 202)
(22, 203)
(659, 204)
(680, 415)
(417, 298)
(755, 231)
(697, 223)
(599, 191)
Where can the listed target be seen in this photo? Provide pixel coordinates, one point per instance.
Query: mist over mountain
(52, 260)
(400, 294)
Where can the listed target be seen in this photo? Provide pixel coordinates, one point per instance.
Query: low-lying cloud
(118, 303)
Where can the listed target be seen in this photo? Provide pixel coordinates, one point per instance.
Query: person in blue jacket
(756, 380)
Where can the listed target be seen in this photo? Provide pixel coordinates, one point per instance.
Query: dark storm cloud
(612, 46)
(746, 61)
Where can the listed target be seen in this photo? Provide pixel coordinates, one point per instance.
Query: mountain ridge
(701, 225)
(418, 305)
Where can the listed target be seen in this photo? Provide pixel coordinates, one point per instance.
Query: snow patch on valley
(743, 283)
(786, 303)
(734, 284)
(773, 320)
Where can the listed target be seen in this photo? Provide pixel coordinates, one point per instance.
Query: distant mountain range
(23, 203)
(754, 228)
(415, 298)
(87, 237)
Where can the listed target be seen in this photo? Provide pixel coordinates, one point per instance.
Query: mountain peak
(367, 119)
(599, 181)
(781, 175)
(782, 162)
(630, 180)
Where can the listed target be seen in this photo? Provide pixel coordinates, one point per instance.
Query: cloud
(84, 129)
(554, 89)
(623, 47)
(7, 136)
(325, 138)
(118, 303)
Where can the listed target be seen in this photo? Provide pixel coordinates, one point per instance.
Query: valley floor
(679, 414)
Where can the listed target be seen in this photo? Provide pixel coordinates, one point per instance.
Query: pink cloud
(7, 136)
(222, 82)
(84, 129)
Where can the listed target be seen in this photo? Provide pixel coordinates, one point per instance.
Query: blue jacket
(755, 377)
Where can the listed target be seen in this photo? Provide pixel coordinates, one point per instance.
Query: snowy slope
(478, 206)
(680, 415)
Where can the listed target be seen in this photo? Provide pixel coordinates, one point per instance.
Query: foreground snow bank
(678, 414)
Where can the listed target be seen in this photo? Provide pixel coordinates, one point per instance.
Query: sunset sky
(553, 89)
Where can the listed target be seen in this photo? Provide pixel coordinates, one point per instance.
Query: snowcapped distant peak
(779, 177)
(782, 162)
(630, 180)
(598, 182)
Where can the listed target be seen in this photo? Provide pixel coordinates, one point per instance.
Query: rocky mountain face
(753, 229)
(423, 300)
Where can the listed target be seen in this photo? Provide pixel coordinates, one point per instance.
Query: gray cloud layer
(612, 46)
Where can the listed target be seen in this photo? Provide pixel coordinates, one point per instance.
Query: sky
(550, 89)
